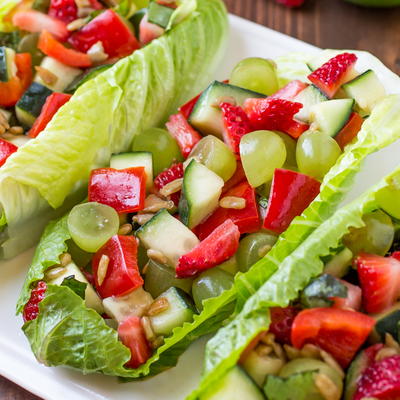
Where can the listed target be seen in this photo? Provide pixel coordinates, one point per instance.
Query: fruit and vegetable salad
(150, 260)
(127, 67)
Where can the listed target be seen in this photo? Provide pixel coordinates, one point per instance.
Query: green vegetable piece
(386, 322)
(87, 75)
(29, 44)
(356, 369)
(340, 264)
(10, 39)
(76, 286)
(159, 14)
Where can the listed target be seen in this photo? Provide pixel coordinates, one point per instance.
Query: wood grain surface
(324, 23)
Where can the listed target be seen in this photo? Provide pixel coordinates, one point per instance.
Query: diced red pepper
(53, 103)
(167, 176)
(187, 108)
(123, 189)
(31, 309)
(23, 62)
(6, 149)
(290, 91)
(291, 193)
(109, 29)
(350, 130)
(246, 219)
(122, 273)
(186, 136)
(67, 10)
(238, 177)
(216, 248)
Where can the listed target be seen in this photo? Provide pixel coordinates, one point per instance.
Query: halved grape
(261, 153)
(161, 144)
(316, 153)
(290, 145)
(257, 74)
(92, 224)
(252, 248)
(216, 156)
(229, 266)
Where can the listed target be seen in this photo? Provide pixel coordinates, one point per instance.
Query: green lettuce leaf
(77, 287)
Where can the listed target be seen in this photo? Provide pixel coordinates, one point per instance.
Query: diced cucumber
(85, 76)
(309, 96)
(206, 115)
(8, 68)
(30, 104)
(135, 159)
(159, 14)
(235, 385)
(331, 116)
(340, 264)
(180, 310)
(65, 74)
(201, 190)
(134, 303)
(92, 300)
(367, 90)
(166, 234)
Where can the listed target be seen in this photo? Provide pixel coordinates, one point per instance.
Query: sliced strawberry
(334, 73)
(236, 124)
(67, 10)
(281, 323)
(350, 130)
(31, 309)
(289, 91)
(352, 300)
(187, 108)
(396, 255)
(216, 248)
(148, 31)
(380, 281)
(275, 114)
(6, 149)
(238, 177)
(167, 176)
(381, 380)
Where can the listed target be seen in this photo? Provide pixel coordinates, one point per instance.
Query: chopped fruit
(236, 124)
(281, 323)
(339, 332)
(132, 335)
(187, 108)
(334, 73)
(216, 248)
(31, 309)
(122, 189)
(381, 380)
(290, 91)
(115, 268)
(396, 255)
(184, 134)
(291, 3)
(291, 194)
(350, 130)
(352, 300)
(380, 281)
(167, 176)
(149, 31)
(6, 149)
(275, 114)
(67, 10)
(238, 177)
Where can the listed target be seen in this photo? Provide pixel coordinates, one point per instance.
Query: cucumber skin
(184, 209)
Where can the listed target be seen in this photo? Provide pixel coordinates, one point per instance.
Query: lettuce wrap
(68, 333)
(49, 174)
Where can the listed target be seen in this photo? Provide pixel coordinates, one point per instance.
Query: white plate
(16, 360)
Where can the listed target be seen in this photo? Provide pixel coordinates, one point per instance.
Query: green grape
(290, 145)
(316, 153)
(257, 74)
(252, 248)
(376, 237)
(158, 278)
(216, 156)
(29, 44)
(229, 266)
(161, 144)
(210, 284)
(92, 224)
(261, 153)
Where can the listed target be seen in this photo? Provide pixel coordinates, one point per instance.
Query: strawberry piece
(236, 125)
(216, 248)
(31, 309)
(238, 177)
(289, 91)
(148, 31)
(381, 380)
(380, 281)
(167, 176)
(291, 3)
(275, 114)
(396, 255)
(281, 323)
(67, 10)
(350, 130)
(187, 108)
(334, 73)
(6, 149)
(352, 300)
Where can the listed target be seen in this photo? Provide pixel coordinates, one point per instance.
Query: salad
(121, 65)
(149, 261)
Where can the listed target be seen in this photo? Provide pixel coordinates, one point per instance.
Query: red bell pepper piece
(23, 61)
(339, 332)
(6, 149)
(31, 308)
(53, 103)
(246, 219)
(350, 130)
(172, 173)
(187, 108)
(123, 189)
(238, 177)
(67, 10)
(108, 28)
(216, 248)
(122, 275)
(184, 134)
(291, 194)
(290, 91)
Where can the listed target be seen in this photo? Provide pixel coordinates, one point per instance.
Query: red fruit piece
(289, 91)
(31, 309)
(281, 323)
(291, 3)
(216, 248)
(396, 255)
(187, 108)
(334, 73)
(132, 335)
(148, 31)
(339, 332)
(67, 10)
(380, 281)
(167, 176)
(6, 149)
(352, 300)
(236, 124)
(275, 114)
(381, 380)
(291, 193)
(350, 130)
(238, 177)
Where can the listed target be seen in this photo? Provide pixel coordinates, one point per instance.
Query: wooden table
(324, 23)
